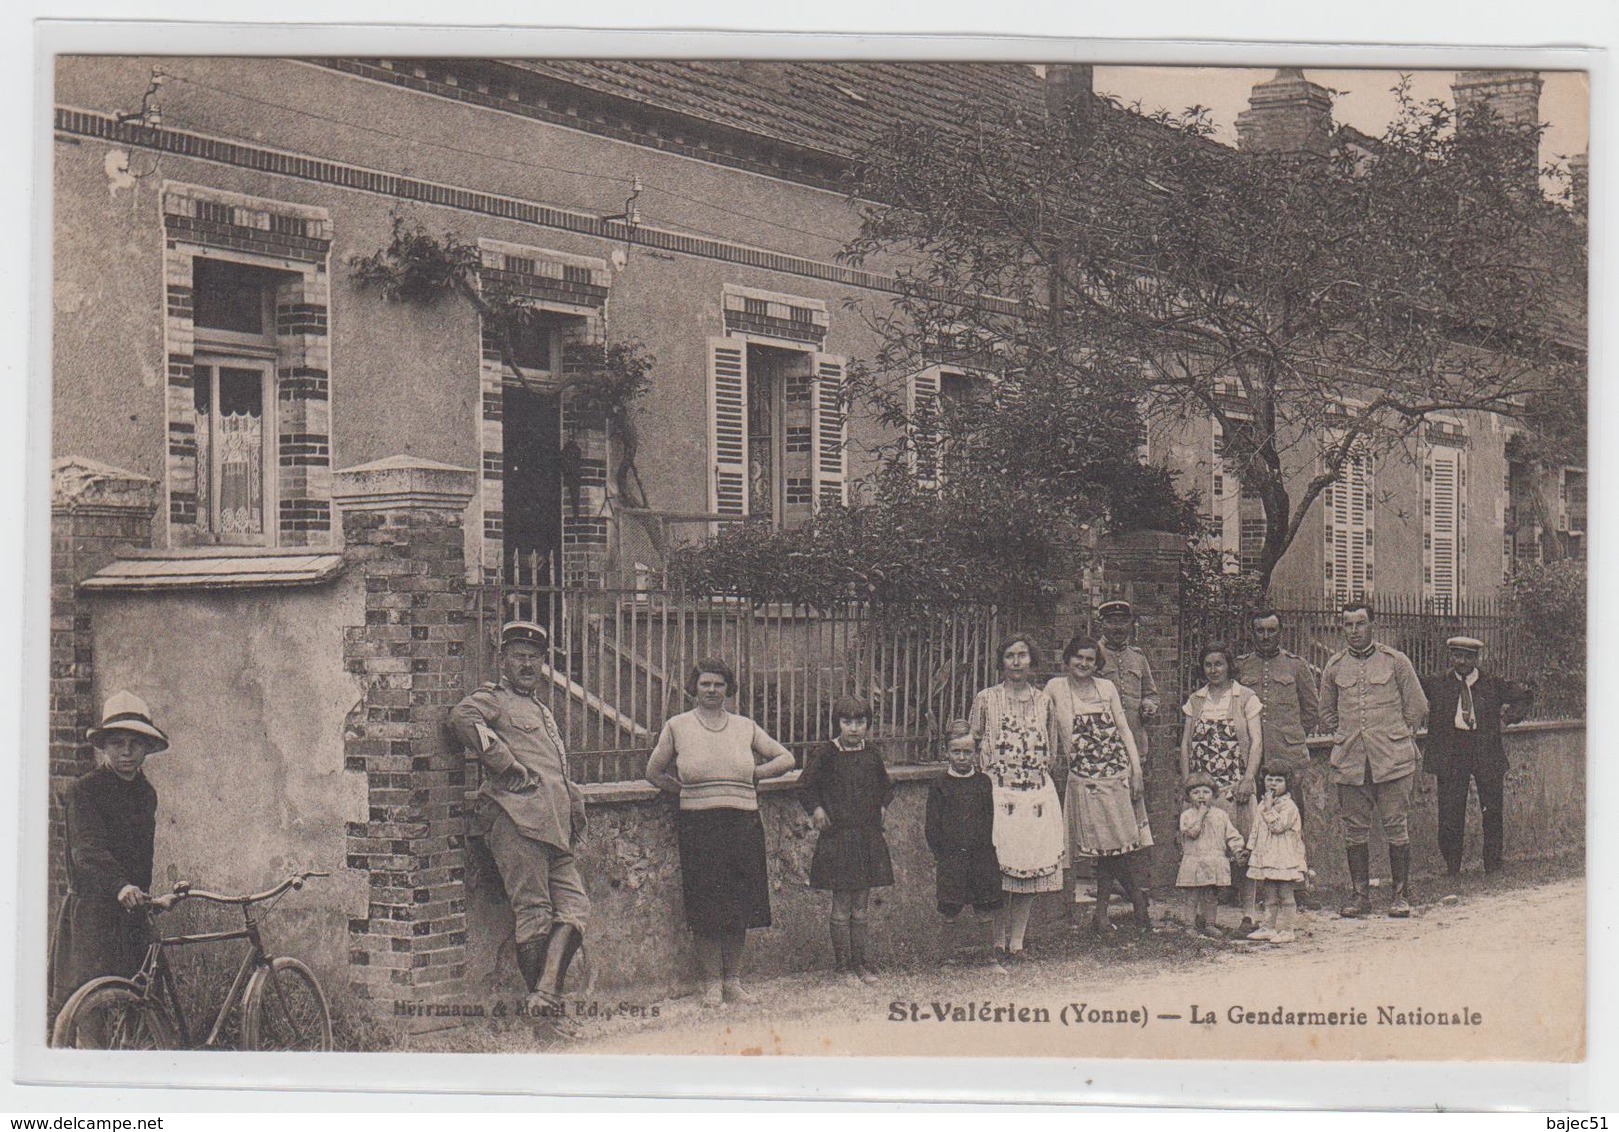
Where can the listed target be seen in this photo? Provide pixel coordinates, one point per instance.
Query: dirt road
(1496, 973)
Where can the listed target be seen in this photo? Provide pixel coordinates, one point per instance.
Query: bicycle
(282, 1004)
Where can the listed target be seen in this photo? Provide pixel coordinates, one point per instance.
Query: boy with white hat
(111, 823)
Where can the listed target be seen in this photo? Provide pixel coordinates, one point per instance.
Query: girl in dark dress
(111, 817)
(961, 836)
(844, 788)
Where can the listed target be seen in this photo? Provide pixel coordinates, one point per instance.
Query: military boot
(1400, 867)
(531, 960)
(1360, 874)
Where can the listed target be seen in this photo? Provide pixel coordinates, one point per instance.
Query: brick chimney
(1513, 95)
(1286, 114)
(1514, 98)
(1069, 86)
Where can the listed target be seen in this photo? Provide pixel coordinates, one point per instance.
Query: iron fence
(1418, 628)
(620, 657)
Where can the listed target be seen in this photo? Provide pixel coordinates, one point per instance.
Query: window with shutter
(1348, 527)
(1237, 514)
(1572, 496)
(1224, 489)
(728, 427)
(922, 417)
(1442, 511)
(829, 425)
(938, 401)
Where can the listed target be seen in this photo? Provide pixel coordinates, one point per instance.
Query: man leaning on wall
(529, 811)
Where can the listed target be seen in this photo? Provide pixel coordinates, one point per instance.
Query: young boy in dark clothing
(960, 834)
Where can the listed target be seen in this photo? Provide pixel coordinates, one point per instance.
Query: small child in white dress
(1276, 854)
(1208, 842)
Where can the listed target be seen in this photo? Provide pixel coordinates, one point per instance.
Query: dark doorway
(531, 467)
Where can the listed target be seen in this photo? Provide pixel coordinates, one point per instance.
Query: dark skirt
(722, 870)
(94, 936)
(968, 876)
(850, 860)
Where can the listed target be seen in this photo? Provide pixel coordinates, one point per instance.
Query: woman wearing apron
(1104, 802)
(1222, 739)
(1011, 722)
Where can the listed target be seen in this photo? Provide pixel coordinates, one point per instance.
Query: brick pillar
(1144, 568)
(95, 510)
(402, 524)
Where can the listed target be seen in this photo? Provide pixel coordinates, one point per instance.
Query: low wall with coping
(638, 939)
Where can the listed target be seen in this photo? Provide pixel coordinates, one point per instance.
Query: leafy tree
(1549, 601)
(1320, 307)
(916, 548)
(1000, 512)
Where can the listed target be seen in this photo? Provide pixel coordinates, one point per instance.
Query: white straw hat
(125, 711)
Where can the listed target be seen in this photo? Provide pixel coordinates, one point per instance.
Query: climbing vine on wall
(418, 267)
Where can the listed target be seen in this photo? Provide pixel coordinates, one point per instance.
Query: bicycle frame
(156, 980)
(155, 977)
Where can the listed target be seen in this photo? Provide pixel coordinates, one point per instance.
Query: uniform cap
(125, 711)
(1465, 643)
(1111, 607)
(530, 631)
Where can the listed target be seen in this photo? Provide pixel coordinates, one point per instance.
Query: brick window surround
(574, 289)
(293, 242)
(765, 315)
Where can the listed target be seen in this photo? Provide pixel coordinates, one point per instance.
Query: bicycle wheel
(285, 1009)
(112, 1013)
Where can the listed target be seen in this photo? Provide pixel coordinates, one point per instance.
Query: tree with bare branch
(1320, 307)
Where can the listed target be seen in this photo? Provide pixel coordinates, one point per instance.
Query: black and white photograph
(814, 557)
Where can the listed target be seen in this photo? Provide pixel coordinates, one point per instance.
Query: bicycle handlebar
(184, 891)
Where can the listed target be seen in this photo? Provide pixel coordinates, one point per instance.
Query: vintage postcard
(844, 557)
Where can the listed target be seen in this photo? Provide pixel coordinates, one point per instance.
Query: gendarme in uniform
(529, 810)
(1374, 703)
(1285, 685)
(1127, 667)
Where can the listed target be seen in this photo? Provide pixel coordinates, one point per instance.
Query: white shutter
(728, 426)
(1442, 525)
(1225, 494)
(1349, 529)
(922, 415)
(831, 478)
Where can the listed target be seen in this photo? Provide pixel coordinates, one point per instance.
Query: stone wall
(638, 937)
(1545, 806)
(639, 941)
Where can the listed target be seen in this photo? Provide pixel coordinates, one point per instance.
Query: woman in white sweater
(713, 760)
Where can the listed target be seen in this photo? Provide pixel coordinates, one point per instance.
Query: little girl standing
(1276, 855)
(961, 836)
(1208, 841)
(844, 788)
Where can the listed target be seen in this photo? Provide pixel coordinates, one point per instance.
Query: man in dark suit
(1466, 711)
